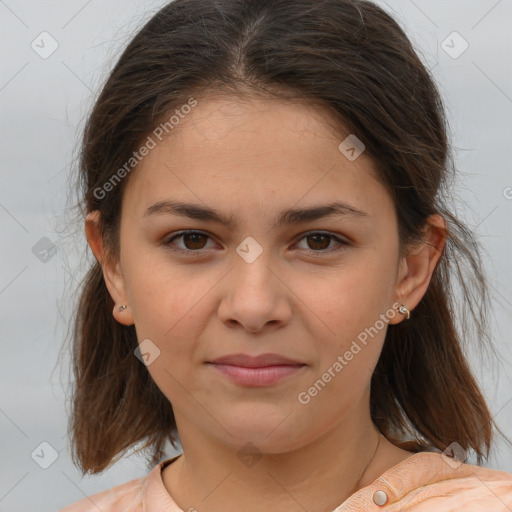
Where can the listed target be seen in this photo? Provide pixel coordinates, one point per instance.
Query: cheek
(172, 318)
(352, 295)
(348, 309)
(166, 299)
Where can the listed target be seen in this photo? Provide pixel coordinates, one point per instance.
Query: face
(316, 289)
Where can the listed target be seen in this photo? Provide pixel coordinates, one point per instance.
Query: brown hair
(352, 57)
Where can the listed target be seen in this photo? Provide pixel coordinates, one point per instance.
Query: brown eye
(318, 242)
(192, 241)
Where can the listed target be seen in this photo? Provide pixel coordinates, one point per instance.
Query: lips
(256, 371)
(260, 361)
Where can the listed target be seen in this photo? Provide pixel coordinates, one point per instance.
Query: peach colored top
(424, 482)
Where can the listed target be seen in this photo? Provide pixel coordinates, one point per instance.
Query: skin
(250, 160)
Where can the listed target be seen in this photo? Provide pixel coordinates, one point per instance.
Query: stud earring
(402, 309)
(123, 307)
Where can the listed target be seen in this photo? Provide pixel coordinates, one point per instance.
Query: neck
(320, 476)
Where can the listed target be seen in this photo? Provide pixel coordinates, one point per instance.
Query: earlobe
(123, 314)
(111, 270)
(417, 267)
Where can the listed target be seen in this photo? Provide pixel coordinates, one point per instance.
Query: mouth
(262, 370)
(262, 376)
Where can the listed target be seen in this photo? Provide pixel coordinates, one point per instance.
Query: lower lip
(264, 376)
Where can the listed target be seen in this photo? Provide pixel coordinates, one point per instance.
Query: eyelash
(200, 252)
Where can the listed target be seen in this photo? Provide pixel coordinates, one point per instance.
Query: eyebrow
(287, 217)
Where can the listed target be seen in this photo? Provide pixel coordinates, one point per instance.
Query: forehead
(233, 154)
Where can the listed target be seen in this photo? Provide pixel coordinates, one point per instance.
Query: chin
(274, 433)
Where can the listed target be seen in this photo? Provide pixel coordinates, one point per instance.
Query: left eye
(323, 240)
(195, 241)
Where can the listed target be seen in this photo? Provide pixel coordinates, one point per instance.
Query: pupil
(194, 237)
(325, 237)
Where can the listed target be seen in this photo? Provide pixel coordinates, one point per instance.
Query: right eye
(193, 241)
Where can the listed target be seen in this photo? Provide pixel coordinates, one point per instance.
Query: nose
(255, 296)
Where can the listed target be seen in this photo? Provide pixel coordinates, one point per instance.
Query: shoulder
(127, 497)
(432, 481)
(428, 481)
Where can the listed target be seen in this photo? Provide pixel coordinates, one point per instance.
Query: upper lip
(255, 361)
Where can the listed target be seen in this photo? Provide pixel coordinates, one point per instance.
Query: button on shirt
(424, 482)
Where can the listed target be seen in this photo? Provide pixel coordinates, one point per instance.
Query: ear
(417, 266)
(111, 269)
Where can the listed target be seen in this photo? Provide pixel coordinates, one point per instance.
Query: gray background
(43, 104)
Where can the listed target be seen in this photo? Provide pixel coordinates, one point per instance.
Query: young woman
(263, 185)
